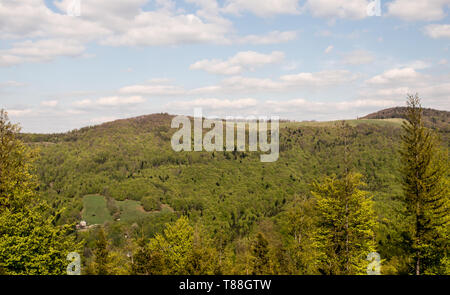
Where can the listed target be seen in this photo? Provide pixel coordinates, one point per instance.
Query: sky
(63, 68)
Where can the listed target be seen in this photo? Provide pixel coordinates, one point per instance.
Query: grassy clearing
(95, 210)
(131, 210)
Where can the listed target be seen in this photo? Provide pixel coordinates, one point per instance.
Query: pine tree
(425, 184)
(345, 228)
(30, 243)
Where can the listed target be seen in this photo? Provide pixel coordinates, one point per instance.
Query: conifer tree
(426, 195)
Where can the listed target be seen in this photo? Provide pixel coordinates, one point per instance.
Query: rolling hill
(130, 165)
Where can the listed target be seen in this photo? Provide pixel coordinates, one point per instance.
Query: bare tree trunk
(418, 265)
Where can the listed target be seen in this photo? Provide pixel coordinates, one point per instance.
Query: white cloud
(317, 107)
(358, 57)
(152, 90)
(11, 84)
(324, 78)
(111, 101)
(321, 81)
(263, 8)
(111, 22)
(297, 109)
(213, 103)
(19, 113)
(39, 51)
(427, 10)
(32, 18)
(397, 76)
(438, 31)
(246, 60)
(103, 119)
(50, 103)
(161, 28)
(329, 49)
(273, 37)
(351, 9)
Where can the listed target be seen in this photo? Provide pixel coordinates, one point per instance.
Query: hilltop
(435, 119)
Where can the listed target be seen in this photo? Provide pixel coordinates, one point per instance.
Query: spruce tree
(425, 184)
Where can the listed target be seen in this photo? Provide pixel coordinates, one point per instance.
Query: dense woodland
(339, 191)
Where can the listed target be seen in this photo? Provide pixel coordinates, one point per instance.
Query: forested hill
(125, 175)
(433, 118)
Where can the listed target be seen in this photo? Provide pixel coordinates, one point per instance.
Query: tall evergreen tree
(30, 242)
(425, 184)
(345, 228)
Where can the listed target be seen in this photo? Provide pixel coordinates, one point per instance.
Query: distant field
(131, 210)
(95, 210)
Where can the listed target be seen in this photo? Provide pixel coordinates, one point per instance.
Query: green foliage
(426, 195)
(102, 258)
(260, 256)
(230, 196)
(174, 246)
(151, 204)
(345, 228)
(30, 243)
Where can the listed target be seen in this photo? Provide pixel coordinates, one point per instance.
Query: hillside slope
(230, 194)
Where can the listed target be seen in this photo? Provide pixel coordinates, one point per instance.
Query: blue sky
(301, 60)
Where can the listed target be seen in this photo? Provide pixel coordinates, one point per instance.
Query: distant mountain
(435, 119)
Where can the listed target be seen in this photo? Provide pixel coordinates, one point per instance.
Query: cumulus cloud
(438, 31)
(152, 89)
(213, 103)
(273, 37)
(110, 101)
(350, 9)
(429, 10)
(19, 113)
(39, 51)
(358, 57)
(246, 60)
(50, 103)
(263, 8)
(397, 76)
(323, 78)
